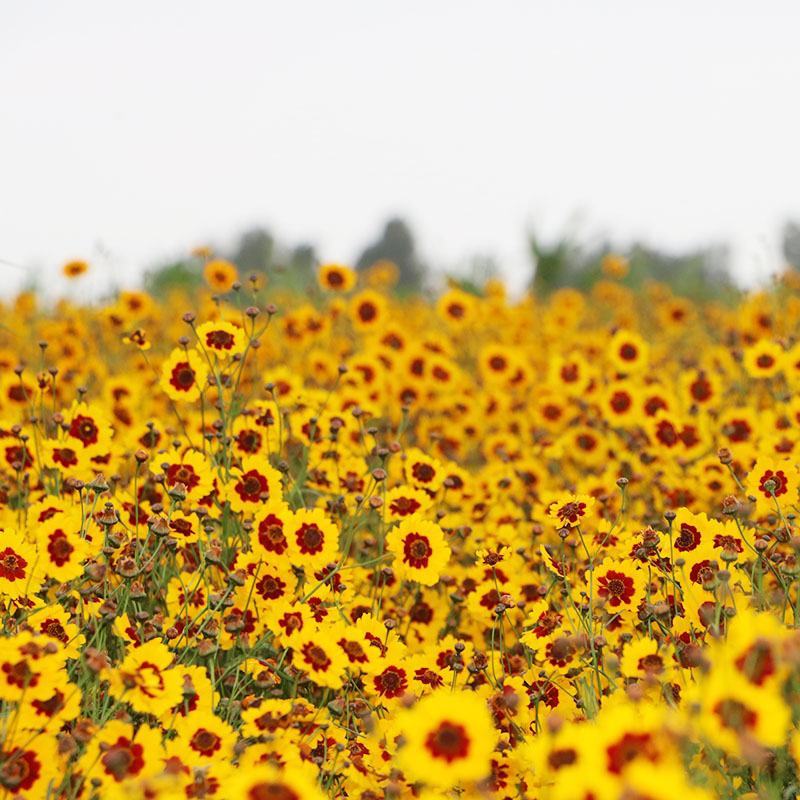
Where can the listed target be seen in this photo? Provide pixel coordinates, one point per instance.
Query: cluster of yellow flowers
(350, 546)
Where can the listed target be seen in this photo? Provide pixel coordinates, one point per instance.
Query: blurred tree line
(258, 252)
(565, 261)
(700, 273)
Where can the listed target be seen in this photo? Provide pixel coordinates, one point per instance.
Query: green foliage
(174, 276)
(701, 274)
(255, 253)
(397, 244)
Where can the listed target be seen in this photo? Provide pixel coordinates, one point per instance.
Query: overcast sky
(131, 131)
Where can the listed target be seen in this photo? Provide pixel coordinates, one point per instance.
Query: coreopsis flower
(568, 510)
(54, 622)
(614, 265)
(424, 472)
(119, 752)
(74, 269)
(774, 484)
(449, 738)
(391, 682)
(86, 430)
(701, 388)
(145, 680)
(21, 566)
(184, 375)
(288, 618)
(317, 654)
(383, 274)
(138, 338)
(30, 666)
(313, 539)
(63, 546)
(570, 374)
(204, 737)
(272, 582)
(620, 403)
(368, 310)
(367, 645)
(268, 781)
(692, 535)
(403, 501)
(223, 339)
(763, 359)
(220, 275)
(457, 308)
(253, 485)
(29, 764)
(336, 278)
(642, 660)
(755, 645)
(250, 434)
(738, 426)
(497, 363)
(48, 714)
(619, 584)
(191, 469)
(737, 716)
(268, 535)
(135, 305)
(420, 550)
(184, 527)
(628, 352)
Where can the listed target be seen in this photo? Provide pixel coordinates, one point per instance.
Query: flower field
(344, 544)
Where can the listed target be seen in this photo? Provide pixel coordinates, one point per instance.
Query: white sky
(133, 131)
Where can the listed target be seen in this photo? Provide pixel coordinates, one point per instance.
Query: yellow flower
(383, 274)
(614, 265)
(420, 550)
(735, 714)
(628, 352)
(313, 539)
(183, 375)
(449, 738)
(138, 338)
(74, 269)
(774, 484)
(145, 680)
(203, 737)
(253, 485)
(457, 308)
(119, 752)
(764, 359)
(336, 278)
(568, 510)
(368, 310)
(318, 655)
(223, 339)
(20, 566)
(220, 275)
(267, 781)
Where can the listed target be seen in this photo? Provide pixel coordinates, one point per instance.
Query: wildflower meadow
(264, 544)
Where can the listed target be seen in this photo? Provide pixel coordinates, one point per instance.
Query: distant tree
(554, 265)
(295, 268)
(790, 243)
(303, 260)
(165, 278)
(396, 244)
(254, 252)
